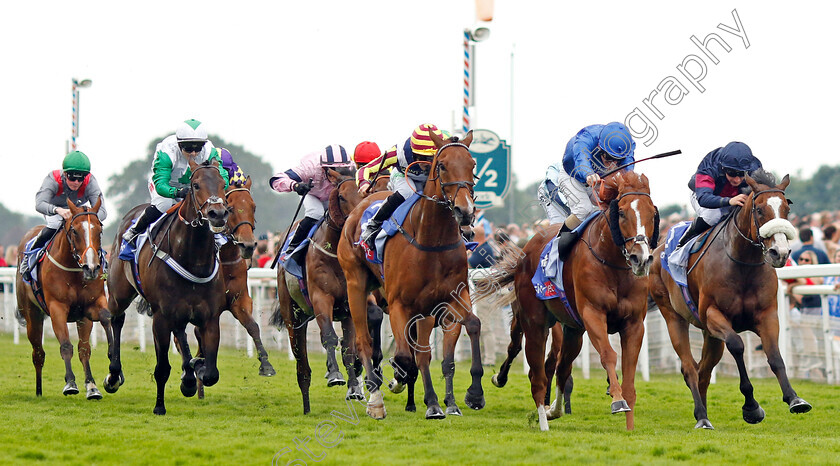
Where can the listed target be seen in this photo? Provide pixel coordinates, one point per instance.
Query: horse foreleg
(595, 322)
(475, 393)
(188, 380)
(375, 315)
(357, 300)
(551, 359)
(58, 317)
(719, 327)
(768, 329)
(199, 355)
(536, 334)
(207, 370)
(115, 376)
(631, 343)
(84, 328)
(161, 331)
(103, 315)
(514, 347)
(451, 333)
(35, 333)
(569, 343)
(242, 308)
(322, 303)
(423, 356)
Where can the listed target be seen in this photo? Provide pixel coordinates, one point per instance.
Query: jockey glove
(301, 188)
(182, 193)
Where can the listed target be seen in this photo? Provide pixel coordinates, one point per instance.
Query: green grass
(247, 419)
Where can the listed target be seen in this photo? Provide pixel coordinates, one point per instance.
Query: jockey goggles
(734, 173)
(75, 176)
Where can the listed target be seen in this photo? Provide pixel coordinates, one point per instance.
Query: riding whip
(658, 156)
(282, 244)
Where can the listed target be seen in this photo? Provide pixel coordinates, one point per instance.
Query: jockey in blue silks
(592, 152)
(717, 184)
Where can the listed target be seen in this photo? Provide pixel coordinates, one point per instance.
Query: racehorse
(179, 280)
(73, 291)
(328, 297)
(424, 278)
(735, 290)
(234, 256)
(604, 290)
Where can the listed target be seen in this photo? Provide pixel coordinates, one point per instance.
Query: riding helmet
(191, 131)
(616, 141)
(76, 161)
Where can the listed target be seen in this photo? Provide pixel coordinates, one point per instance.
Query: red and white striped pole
(75, 128)
(465, 124)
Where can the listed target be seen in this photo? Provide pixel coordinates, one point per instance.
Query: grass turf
(247, 419)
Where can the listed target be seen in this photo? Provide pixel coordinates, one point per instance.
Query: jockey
(551, 198)
(312, 168)
(592, 152)
(74, 182)
(364, 153)
(235, 175)
(418, 147)
(169, 181)
(716, 186)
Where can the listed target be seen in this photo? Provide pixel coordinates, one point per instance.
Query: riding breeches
(54, 221)
(578, 196)
(160, 202)
(401, 184)
(555, 212)
(314, 207)
(710, 216)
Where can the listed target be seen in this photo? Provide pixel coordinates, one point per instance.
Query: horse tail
(143, 307)
(19, 316)
(496, 283)
(276, 318)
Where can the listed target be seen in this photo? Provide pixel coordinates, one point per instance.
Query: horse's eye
(621, 213)
(341, 198)
(442, 167)
(196, 186)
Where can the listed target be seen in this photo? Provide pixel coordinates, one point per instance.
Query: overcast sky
(285, 78)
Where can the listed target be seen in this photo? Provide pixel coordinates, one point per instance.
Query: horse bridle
(231, 231)
(619, 239)
(69, 228)
(469, 185)
(754, 214)
(199, 216)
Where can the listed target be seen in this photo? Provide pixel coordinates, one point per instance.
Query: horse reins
(78, 257)
(636, 239)
(199, 216)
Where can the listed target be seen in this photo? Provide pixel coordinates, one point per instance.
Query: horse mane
(762, 176)
(335, 213)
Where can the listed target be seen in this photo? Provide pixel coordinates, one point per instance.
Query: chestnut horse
(601, 282)
(234, 256)
(733, 283)
(73, 291)
(425, 279)
(193, 294)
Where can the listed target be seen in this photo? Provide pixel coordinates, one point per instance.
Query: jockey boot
(146, 218)
(43, 236)
(303, 228)
(384, 213)
(697, 227)
(566, 238)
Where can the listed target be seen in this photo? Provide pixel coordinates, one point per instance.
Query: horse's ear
(214, 162)
(784, 184)
(98, 204)
(467, 139)
(752, 183)
(72, 207)
(645, 181)
(436, 139)
(333, 176)
(193, 164)
(247, 182)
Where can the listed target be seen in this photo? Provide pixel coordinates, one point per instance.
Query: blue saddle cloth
(32, 257)
(676, 265)
(548, 278)
(295, 260)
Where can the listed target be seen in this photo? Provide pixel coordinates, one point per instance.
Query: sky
(286, 78)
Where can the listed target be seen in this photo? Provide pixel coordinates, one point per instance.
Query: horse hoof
(453, 411)
(474, 402)
(160, 410)
(498, 382)
(354, 393)
(109, 387)
(94, 394)
(619, 406)
(376, 406)
(799, 406)
(334, 379)
(754, 416)
(267, 370)
(188, 390)
(70, 389)
(196, 363)
(554, 411)
(411, 408)
(434, 412)
(395, 386)
(704, 424)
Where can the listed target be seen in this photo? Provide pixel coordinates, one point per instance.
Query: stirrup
(130, 236)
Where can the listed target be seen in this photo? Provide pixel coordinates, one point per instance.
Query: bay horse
(328, 297)
(731, 279)
(604, 282)
(425, 280)
(195, 294)
(234, 257)
(73, 291)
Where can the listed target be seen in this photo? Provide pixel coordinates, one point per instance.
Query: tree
(130, 188)
(13, 225)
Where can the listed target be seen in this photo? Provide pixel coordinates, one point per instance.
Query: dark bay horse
(328, 295)
(73, 291)
(234, 257)
(731, 279)
(425, 279)
(194, 294)
(603, 283)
